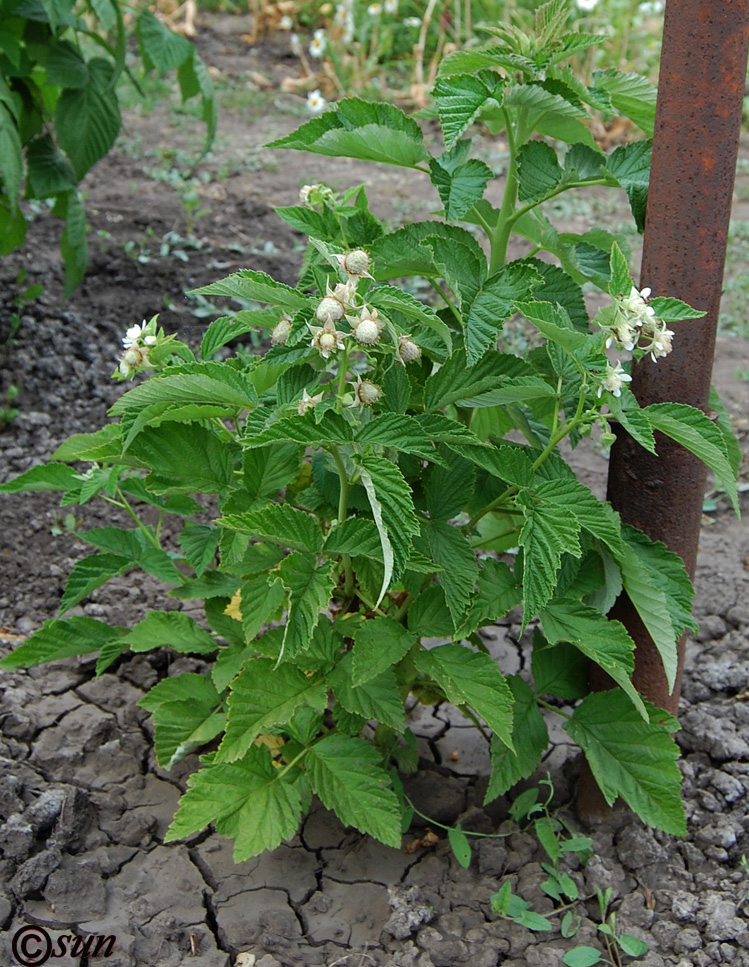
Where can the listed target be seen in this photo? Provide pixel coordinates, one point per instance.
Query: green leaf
(605, 641)
(331, 428)
(194, 79)
(529, 739)
(582, 957)
(102, 446)
(456, 380)
(550, 114)
(548, 532)
(135, 547)
(11, 157)
(264, 696)
(631, 95)
(620, 283)
(379, 643)
(698, 434)
(170, 629)
(251, 286)
(668, 573)
(346, 774)
(449, 488)
(185, 716)
(672, 310)
(64, 65)
(460, 846)
(554, 323)
(357, 535)
(497, 592)
(61, 638)
(494, 304)
(206, 382)
(360, 129)
(73, 245)
(462, 97)
(463, 269)
(247, 800)
(223, 330)
(539, 171)
(88, 574)
(429, 617)
(594, 515)
(559, 669)
(460, 189)
(310, 586)
(47, 476)
(184, 459)
(392, 299)
(401, 432)
(631, 758)
(211, 584)
(473, 679)
(392, 508)
(452, 552)
(261, 596)
(87, 119)
(630, 165)
(49, 171)
(376, 699)
(402, 253)
(279, 523)
(560, 288)
(199, 543)
(160, 47)
(631, 946)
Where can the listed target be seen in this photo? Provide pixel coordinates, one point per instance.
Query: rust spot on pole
(695, 147)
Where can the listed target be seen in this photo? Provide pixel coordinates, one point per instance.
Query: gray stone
(77, 893)
(16, 838)
(520, 850)
(712, 626)
(32, 875)
(162, 880)
(602, 872)
(260, 918)
(465, 752)
(492, 856)
(76, 820)
(638, 847)
(440, 797)
(348, 913)
(729, 787)
(409, 911)
(684, 905)
(723, 924)
(6, 909)
(43, 812)
(11, 787)
(688, 940)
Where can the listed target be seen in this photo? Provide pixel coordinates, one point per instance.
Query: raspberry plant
(384, 474)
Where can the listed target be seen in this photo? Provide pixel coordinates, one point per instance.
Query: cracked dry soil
(83, 805)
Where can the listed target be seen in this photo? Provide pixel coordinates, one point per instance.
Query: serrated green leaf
(354, 128)
(310, 586)
(697, 433)
(460, 189)
(462, 97)
(355, 536)
(398, 431)
(401, 253)
(594, 515)
(630, 758)
(375, 699)
(620, 283)
(392, 508)
(554, 323)
(429, 616)
(199, 543)
(548, 532)
(206, 383)
(550, 114)
(61, 638)
(346, 774)
(473, 679)
(631, 95)
(390, 298)
(135, 547)
(88, 574)
(630, 165)
(247, 800)
(559, 669)
(185, 716)
(529, 739)
(456, 380)
(47, 476)
(332, 428)
(494, 304)
(672, 310)
(170, 629)
(211, 584)
(160, 47)
(559, 288)
(87, 119)
(221, 331)
(101, 447)
(184, 459)
(260, 597)
(539, 171)
(605, 641)
(448, 488)
(379, 643)
(264, 696)
(452, 552)
(497, 592)
(49, 171)
(279, 523)
(11, 157)
(181, 688)
(252, 286)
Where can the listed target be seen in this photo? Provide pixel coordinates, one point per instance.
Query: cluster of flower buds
(613, 380)
(313, 196)
(136, 343)
(635, 325)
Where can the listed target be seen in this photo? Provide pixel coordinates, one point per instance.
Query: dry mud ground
(83, 805)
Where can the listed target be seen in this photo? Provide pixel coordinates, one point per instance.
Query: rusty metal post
(695, 147)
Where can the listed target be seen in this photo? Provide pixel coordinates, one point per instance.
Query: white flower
(326, 339)
(613, 380)
(408, 351)
(133, 335)
(317, 47)
(587, 5)
(412, 21)
(308, 402)
(285, 23)
(374, 9)
(662, 343)
(316, 103)
(296, 44)
(390, 6)
(340, 16)
(319, 34)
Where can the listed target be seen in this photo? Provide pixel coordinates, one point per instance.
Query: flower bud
(408, 351)
(330, 310)
(281, 331)
(367, 392)
(327, 342)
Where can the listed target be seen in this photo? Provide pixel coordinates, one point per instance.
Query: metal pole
(695, 147)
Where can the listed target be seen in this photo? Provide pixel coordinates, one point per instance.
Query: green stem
(518, 213)
(123, 502)
(552, 708)
(348, 586)
(473, 717)
(501, 236)
(342, 369)
(468, 832)
(438, 289)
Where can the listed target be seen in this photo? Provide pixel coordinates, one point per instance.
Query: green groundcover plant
(60, 65)
(384, 475)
